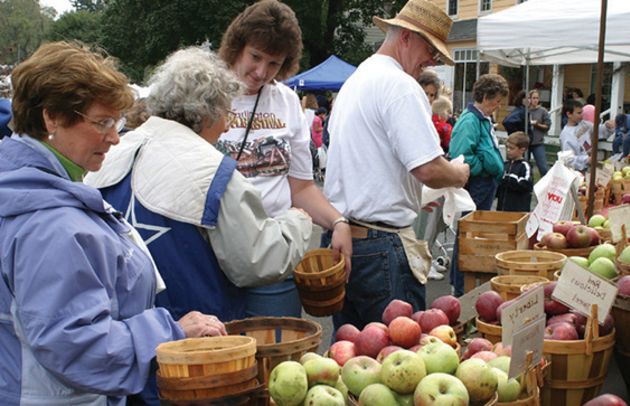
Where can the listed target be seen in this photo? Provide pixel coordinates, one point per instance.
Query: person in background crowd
(77, 283)
(317, 129)
(269, 136)
(136, 115)
(442, 110)
(515, 121)
(326, 133)
(577, 135)
(431, 84)
(384, 148)
(473, 137)
(515, 189)
(5, 118)
(539, 124)
(309, 106)
(621, 133)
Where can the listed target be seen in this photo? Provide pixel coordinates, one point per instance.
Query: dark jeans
(482, 190)
(380, 273)
(539, 156)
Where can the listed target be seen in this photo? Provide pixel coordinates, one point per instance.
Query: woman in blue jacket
(473, 137)
(77, 322)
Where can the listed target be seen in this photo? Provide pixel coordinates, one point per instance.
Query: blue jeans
(279, 300)
(482, 190)
(539, 156)
(380, 273)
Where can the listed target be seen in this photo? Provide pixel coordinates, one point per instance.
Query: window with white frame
(485, 5)
(467, 69)
(452, 7)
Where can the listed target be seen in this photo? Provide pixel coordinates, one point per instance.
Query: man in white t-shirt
(383, 148)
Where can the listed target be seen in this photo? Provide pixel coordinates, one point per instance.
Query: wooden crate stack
(482, 235)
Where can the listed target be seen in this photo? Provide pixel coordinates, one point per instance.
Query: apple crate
(277, 339)
(207, 369)
(482, 235)
(577, 368)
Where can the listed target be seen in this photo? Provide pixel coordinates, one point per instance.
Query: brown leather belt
(359, 232)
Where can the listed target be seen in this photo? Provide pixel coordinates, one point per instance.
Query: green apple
(605, 250)
(288, 383)
(324, 395)
(377, 394)
(625, 170)
(404, 400)
(581, 261)
(502, 362)
(606, 224)
(603, 267)
(309, 356)
(478, 378)
(402, 370)
(341, 387)
(441, 389)
(359, 372)
(624, 258)
(508, 389)
(322, 370)
(439, 357)
(596, 220)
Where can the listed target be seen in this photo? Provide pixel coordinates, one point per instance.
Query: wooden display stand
(482, 235)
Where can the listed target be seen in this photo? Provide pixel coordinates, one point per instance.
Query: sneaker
(438, 267)
(435, 275)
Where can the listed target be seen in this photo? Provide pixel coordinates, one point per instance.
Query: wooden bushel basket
(490, 332)
(621, 315)
(569, 252)
(277, 339)
(578, 367)
(509, 286)
(530, 262)
(206, 368)
(321, 282)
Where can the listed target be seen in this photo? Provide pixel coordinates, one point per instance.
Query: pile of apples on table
(569, 234)
(600, 261)
(561, 324)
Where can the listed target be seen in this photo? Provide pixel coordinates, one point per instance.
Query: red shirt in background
(444, 130)
(317, 130)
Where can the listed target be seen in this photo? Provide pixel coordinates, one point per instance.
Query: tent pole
(526, 88)
(598, 102)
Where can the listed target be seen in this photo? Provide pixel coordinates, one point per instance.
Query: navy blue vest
(184, 258)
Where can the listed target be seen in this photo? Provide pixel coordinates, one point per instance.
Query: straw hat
(426, 19)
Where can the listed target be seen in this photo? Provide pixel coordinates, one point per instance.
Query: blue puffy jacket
(76, 319)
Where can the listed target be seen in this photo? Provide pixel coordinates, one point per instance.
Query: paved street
(613, 384)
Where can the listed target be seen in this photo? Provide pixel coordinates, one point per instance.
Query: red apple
(396, 308)
(476, 345)
(579, 237)
(371, 341)
(404, 332)
(450, 306)
(430, 319)
(561, 331)
(553, 307)
(342, 351)
(554, 241)
(580, 323)
(428, 339)
(347, 332)
(386, 351)
(595, 238)
(500, 310)
(485, 355)
(625, 199)
(446, 334)
(608, 325)
(379, 325)
(487, 304)
(623, 284)
(501, 349)
(570, 318)
(606, 399)
(563, 227)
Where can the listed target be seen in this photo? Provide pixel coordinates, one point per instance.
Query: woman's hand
(196, 324)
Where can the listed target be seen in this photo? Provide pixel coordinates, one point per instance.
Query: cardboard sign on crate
(527, 307)
(529, 338)
(579, 288)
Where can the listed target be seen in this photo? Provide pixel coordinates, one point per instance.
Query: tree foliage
(22, 27)
(80, 25)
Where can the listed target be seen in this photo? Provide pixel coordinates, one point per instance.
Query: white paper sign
(579, 289)
(525, 308)
(529, 338)
(617, 216)
(554, 200)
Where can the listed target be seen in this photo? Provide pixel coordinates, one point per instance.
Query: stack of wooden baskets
(530, 263)
(321, 282)
(209, 369)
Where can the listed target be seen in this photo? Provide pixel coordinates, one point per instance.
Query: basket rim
(560, 257)
(169, 351)
(338, 266)
(496, 280)
(315, 329)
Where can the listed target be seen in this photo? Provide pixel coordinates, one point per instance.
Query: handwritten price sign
(526, 308)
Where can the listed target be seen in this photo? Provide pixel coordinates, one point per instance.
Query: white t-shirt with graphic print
(277, 145)
(380, 130)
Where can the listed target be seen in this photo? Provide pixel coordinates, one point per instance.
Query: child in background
(515, 190)
(317, 128)
(442, 110)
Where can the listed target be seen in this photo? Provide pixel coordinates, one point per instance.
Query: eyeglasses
(103, 126)
(435, 54)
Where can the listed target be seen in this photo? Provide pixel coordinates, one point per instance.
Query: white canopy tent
(548, 32)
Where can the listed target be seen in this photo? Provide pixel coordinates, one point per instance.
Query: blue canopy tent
(328, 75)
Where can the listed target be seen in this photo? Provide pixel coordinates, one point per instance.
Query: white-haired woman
(203, 222)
